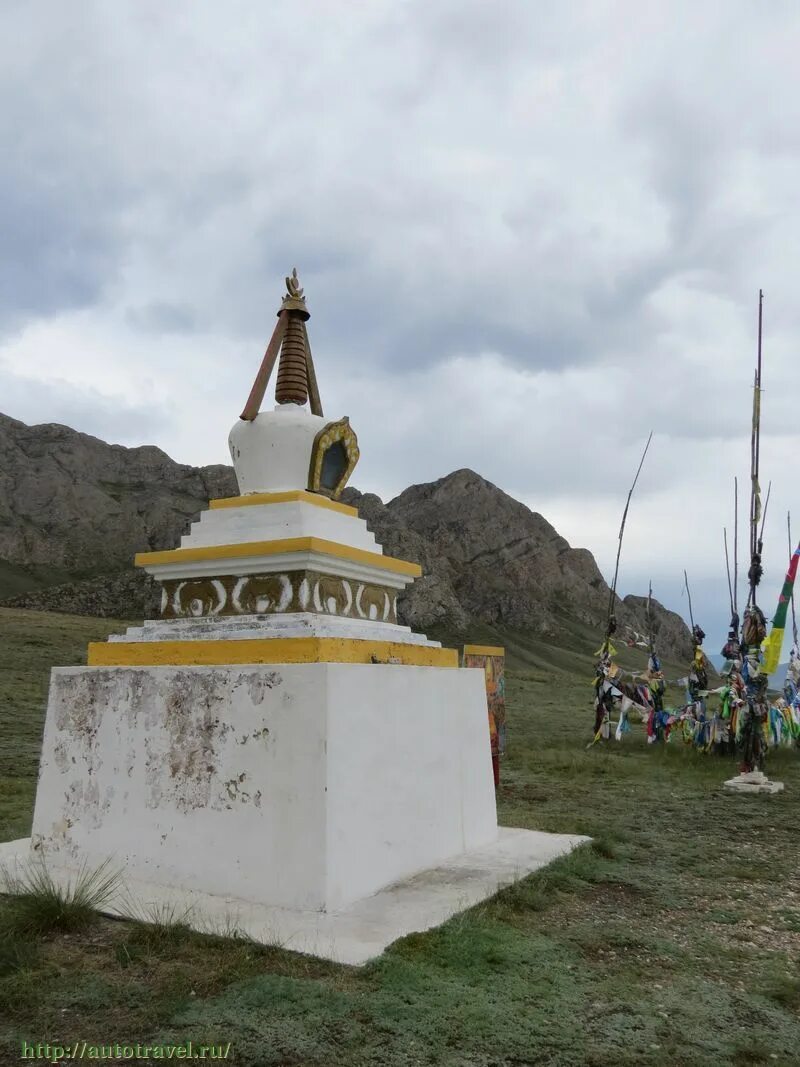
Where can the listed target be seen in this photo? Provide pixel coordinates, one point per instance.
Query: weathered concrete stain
(144, 763)
(82, 803)
(61, 755)
(192, 725)
(80, 707)
(234, 791)
(258, 684)
(256, 735)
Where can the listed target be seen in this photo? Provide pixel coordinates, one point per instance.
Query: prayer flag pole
(603, 695)
(610, 620)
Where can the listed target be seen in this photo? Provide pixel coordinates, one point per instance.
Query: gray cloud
(161, 317)
(112, 418)
(528, 233)
(58, 250)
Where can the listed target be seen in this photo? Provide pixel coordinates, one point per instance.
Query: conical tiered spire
(297, 381)
(292, 385)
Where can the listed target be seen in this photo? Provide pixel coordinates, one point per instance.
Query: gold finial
(289, 345)
(294, 299)
(293, 284)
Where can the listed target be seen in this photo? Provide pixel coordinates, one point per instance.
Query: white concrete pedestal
(327, 807)
(751, 783)
(296, 785)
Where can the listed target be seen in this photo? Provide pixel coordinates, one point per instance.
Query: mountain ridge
(74, 510)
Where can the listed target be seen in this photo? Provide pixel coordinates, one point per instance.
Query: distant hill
(74, 511)
(72, 506)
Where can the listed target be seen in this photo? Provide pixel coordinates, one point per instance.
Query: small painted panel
(492, 662)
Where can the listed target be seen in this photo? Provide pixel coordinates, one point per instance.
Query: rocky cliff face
(487, 556)
(73, 505)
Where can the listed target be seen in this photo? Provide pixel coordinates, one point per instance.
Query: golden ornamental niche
(334, 455)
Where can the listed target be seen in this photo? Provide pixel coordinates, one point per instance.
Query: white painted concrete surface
(354, 934)
(252, 627)
(273, 452)
(272, 522)
(304, 786)
(278, 563)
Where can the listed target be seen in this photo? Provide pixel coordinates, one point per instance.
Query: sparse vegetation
(673, 939)
(37, 903)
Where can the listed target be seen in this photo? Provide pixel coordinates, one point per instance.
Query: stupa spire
(297, 382)
(292, 384)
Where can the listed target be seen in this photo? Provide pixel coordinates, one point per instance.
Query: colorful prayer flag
(774, 643)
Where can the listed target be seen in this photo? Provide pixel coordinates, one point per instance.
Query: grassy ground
(30, 644)
(672, 940)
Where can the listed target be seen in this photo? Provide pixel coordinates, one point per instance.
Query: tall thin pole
(755, 571)
(764, 517)
(758, 375)
(736, 545)
(688, 593)
(754, 712)
(728, 567)
(613, 591)
(754, 490)
(794, 616)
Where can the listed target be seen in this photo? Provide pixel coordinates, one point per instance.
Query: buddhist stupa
(277, 750)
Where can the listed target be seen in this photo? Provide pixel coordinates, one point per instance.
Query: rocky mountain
(73, 507)
(486, 556)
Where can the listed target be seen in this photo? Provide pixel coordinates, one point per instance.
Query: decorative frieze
(273, 594)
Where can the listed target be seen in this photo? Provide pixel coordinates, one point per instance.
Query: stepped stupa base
(354, 934)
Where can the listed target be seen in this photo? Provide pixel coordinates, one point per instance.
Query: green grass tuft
(16, 953)
(40, 903)
(159, 920)
(782, 985)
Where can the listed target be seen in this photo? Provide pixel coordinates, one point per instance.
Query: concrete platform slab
(752, 784)
(358, 932)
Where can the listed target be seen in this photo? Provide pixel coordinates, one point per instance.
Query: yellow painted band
(289, 497)
(272, 548)
(483, 650)
(265, 650)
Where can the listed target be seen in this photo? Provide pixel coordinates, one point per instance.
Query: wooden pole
(758, 376)
(764, 518)
(794, 617)
(261, 382)
(313, 389)
(688, 593)
(736, 545)
(619, 546)
(728, 568)
(755, 453)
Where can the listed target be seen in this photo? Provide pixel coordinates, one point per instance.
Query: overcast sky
(529, 233)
